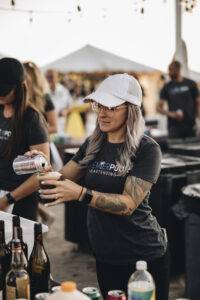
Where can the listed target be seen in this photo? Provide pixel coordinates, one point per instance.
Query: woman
(22, 128)
(37, 90)
(119, 165)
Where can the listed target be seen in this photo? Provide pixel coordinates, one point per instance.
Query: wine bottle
(17, 279)
(3, 255)
(18, 235)
(15, 223)
(24, 245)
(39, 265)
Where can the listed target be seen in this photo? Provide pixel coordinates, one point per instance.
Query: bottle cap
(16, 221)
(68, 286)
(141, 265)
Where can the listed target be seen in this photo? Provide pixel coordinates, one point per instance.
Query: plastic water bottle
(141, 285)
(68, 292)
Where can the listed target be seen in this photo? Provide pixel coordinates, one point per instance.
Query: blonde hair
(134, 133)
(38, 86)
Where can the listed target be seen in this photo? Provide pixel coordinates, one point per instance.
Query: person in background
(37, 90)
(61, 98)
(182, 97)
(119, 165)
(22, 128)
(69, 84)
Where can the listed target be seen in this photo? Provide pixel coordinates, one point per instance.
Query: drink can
(27, 165)
(56, 288)
(41, 296)
(116, 295)
(92, 292)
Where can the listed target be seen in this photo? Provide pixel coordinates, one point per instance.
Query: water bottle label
(142, 295)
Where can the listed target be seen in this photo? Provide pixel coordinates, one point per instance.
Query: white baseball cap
(117, 89)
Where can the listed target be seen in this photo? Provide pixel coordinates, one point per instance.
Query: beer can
(92, 292)
(41, 296)
(116, 295)
(27, 165)
(56, 288)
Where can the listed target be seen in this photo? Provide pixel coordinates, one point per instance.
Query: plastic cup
(52, 175)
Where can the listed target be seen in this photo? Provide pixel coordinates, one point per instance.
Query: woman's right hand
(35, 152)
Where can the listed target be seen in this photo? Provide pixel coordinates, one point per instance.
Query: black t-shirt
(181, 95)
(34, 132)
(119, 239)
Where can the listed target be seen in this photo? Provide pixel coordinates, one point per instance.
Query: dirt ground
(67, 263)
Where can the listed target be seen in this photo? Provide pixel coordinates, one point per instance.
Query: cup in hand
(53, 175)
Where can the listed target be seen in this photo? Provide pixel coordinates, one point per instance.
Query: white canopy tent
(92, 59)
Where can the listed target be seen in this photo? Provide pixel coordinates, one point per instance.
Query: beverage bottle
(24, 245)
(15, 224)
(39, 265)
(141, 285)
(68, 292)
(3, 258)
(18, 235)
(17, 279)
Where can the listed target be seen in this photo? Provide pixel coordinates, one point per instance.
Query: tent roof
(92, 59)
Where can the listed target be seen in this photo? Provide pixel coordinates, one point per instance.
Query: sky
(58, 28)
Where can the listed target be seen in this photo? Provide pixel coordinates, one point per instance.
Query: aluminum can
(116, 295)
(92, 292)
(41, 296)
(56, 288)
(28, 165)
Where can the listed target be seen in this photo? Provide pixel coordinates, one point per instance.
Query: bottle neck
(16, 261)
(38, 238)
(15, 232)
(2, 235)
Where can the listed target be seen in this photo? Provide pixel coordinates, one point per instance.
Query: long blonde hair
(134, 133)
(38, 86)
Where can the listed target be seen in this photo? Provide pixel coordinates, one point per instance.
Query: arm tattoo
(111, 203)
(137, 189)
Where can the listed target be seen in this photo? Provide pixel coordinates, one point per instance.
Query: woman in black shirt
(119, 165)
(22, 128)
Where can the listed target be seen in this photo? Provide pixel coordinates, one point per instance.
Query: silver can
(28, 165)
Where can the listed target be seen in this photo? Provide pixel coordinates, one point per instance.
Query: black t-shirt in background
(34, 133)
(119, 239)
(181, 95)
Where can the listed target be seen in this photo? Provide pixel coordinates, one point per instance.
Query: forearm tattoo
(137, 189)
(111, 203)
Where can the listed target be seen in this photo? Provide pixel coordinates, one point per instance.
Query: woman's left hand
(64, 191)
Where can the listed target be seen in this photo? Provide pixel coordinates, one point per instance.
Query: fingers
(51, 182)
(53, 203)
(34, 153)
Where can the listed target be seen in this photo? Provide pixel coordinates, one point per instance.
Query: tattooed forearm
(137, 189)
(134, 192)
(111, 203)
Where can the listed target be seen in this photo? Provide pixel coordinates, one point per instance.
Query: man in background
(182, 97)
(61, 99)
